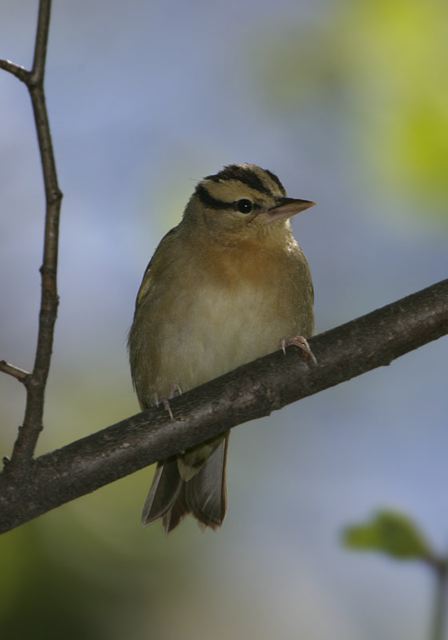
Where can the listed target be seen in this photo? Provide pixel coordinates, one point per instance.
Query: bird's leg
(302, 344)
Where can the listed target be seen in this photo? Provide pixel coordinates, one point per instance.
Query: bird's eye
(244, 205)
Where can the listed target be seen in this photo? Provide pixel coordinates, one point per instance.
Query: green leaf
(389, 532)
(386, 59)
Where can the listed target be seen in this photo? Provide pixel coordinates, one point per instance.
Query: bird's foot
(167, 407)
(165, 402)
(176, 390)
(301, 343)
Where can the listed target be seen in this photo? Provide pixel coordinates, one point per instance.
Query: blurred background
(347, 101)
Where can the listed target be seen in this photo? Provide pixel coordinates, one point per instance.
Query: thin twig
(41, 42)
(16, 70)
(28, 434)
(19, 374)
(439, 615)
(252, 391)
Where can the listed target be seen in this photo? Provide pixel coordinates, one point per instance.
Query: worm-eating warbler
(224, 287)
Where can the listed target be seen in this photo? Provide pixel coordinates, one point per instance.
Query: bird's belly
(219, 331)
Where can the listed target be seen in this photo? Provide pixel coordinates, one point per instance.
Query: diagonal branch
(252, 391)
(28, 434)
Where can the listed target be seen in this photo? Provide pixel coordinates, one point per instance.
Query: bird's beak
(286, 208)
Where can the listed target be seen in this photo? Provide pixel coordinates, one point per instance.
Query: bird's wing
(147, 280)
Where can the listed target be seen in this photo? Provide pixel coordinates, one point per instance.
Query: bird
(227, 285)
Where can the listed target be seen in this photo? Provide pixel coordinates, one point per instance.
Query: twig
(439, 566)
(19, 374)
(249, 392)
(28, 434)
(16, 70)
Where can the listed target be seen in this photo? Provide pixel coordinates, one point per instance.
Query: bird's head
(243, 200)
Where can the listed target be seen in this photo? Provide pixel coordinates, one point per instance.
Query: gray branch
(249, 392)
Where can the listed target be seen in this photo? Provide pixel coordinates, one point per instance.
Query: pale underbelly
(217, 334)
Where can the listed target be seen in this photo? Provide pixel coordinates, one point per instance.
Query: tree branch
(249, 392)
(28, 434)
(19, 374)
(16, 70)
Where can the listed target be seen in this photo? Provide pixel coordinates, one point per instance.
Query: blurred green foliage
(89, 571)
(389, 532)
(386, 63)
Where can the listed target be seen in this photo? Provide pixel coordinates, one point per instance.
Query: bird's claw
(175, 391)
(167, 407)
(301, 343)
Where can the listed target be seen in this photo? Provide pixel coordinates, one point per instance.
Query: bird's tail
(172, 495)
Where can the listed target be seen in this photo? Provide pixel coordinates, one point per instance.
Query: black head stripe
(242, 174)
(210, 201)
(276, 180)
